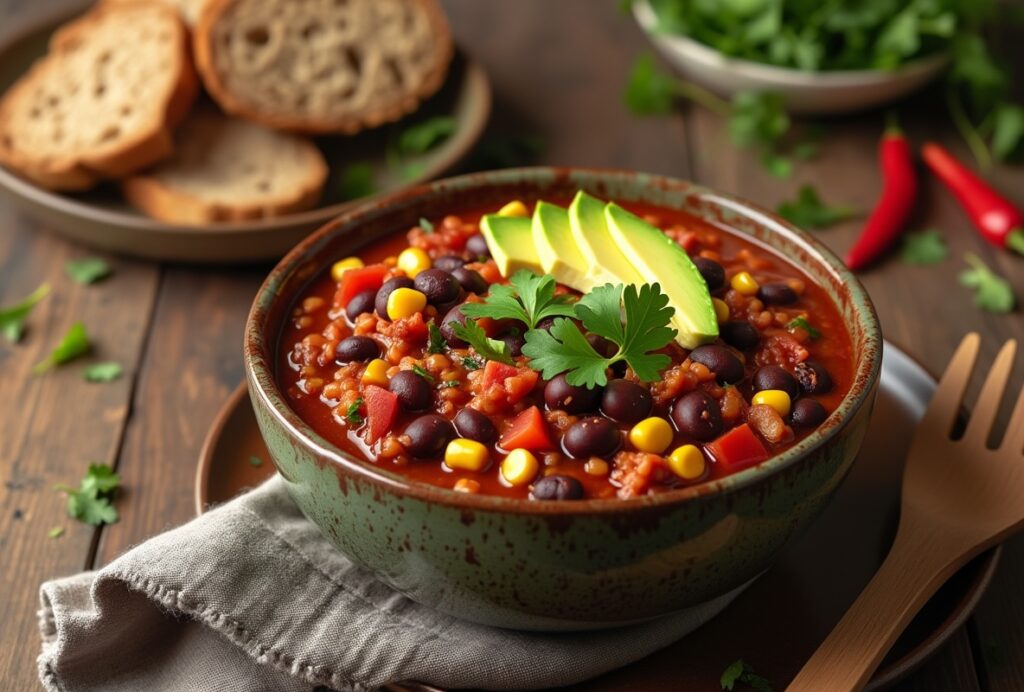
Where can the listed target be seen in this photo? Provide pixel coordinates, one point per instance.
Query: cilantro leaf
(102, 372)
(91, 501)
(1007, 130)
(649, 91)
(352, 414)
(421, 371)
(88, 270)
(528, 298)
(563, 348)
(471, 364)
(74, 344)
(100, 479)
(808, 210)
(758, 118)
(55, 532)
(450, 383)
(488, 348)
(802, 322)
(647, 317)
(992, 292)
(739, 671)
(12, 319)
(435, 339)
(924, 247)
(255, 461)
(357, 180)
(732, 674)
(426, 225)
(425, 135)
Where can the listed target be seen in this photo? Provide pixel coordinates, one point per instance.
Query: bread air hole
(111, 132)
(396, 74)
(353, 58)
(257, 36)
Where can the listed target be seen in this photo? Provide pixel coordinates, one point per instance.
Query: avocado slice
(510, 240)
(657, 256)
(559, 254)
(605, 260)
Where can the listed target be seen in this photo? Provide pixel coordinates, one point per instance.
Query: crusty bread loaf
(188, 9)
(228, 169)
(322, 65)
(103, 102)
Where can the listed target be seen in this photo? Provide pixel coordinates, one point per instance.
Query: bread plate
(101, 218)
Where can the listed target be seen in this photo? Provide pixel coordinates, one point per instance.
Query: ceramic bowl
(550, 565)
(804, 92)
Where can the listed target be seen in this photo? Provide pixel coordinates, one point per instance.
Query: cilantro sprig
(739, 671)
(528, 298)
(435, 339)
(74, 344)
(352, 414)
(802, 322)
(809, 211)
(12, 319)
(564, 348)
(923, 247)
(88, 270)
(488, 348)
(91, 501)
(992, 292)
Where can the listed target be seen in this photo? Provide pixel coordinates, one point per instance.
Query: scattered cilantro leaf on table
(12, 319)
(435, 339)
(74, 344)
(924, 247)
(88, 270)
(758, 118)
(649, 91)
(528, 298)
(352, 414)
(102, 372)
(55, 532)
(91, 501)
(488, 348)
(809, 211)
(739, 671)
(357, 180)
(802, 322)
(424, 136)
(992, 292)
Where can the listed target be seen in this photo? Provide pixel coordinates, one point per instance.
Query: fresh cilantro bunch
(645, 329)
(528, 298)
(91, 501)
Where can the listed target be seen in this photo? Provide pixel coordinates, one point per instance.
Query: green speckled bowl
(549, 565)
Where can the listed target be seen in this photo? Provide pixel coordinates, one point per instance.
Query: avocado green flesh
(657, 256)
(605, 261)
(559, 254)
(510, 240)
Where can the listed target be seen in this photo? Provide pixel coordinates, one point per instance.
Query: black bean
(739, 334)
(428, 436)
(813, 377)
(380, 302)
(437, 285)
(728, 368)
(414, 393)
(360, 303)
(470, 280)
(474, 425)
(557, 488)
(625, 401)
(515, 342)
(591, 437)
(546, 323)
(776, 377)
(712, 271)
(449, 263)
(453, 315)
(356, 348)
(559, 394)
(777, 293)
(602, 345)
(477, 248)
(807, 413)
(697, 415)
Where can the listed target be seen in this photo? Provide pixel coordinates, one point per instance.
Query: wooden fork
(959, 498)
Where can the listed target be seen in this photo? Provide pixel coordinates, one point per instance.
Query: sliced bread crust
(229, 169)
(188, 9)
(322, 66)
(103, 102)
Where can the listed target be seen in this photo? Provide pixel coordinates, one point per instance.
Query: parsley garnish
(925, 247)
(740, 671)
(565, 349)
(528, 298)
(424, 136)
(88, 270)
(475, 336)
(808, 211)
(102, 372)
(991, 291)
(426, 225)
(12, 319)
(74, 344)
(435, 339)
(470, 363)
(352, 414)
(450, 383)
(801, 322)
(357, 180)
(91, 501)
(421, 371)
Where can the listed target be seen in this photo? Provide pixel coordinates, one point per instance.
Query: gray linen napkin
(250, 596)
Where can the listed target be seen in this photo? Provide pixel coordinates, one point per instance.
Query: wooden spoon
(959, 498)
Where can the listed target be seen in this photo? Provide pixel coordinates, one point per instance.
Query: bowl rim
(260, 353)
(776, 74)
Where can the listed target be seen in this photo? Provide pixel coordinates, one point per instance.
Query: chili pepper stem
(1015, 240)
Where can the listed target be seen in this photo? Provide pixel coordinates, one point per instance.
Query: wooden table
(558, 70)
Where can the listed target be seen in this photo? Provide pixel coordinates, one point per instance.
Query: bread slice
(103, 101)
(229, 169)
(188, 9)
(322, 66)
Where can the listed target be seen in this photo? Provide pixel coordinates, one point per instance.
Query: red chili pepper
(1000, 223)
(899, 190)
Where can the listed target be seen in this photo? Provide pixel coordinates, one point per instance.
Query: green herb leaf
(357, 180)
(471, 364)
(808, 211)
(421, 371)
(91, 501)
(55, 532)
(424, 136)
(88, 270)
(529, 299)
(12, 319)
(758, 118)
(778, 165)
(563, 348)
(490, 349)
(739, 671)
(426, 225)
(992, 292)
(255, 461)
(924, 247)
(649, 91)
(801, 322)
(74, 344)
(450, 383)
(102, 372)
(1007, 130)
(732, 674)
(352, 414)
(435, 339)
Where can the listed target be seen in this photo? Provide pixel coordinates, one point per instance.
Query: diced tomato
(355, 281)
(527, 431)
(737, 449)
(381, 410)
(517, 382)
(496, 373)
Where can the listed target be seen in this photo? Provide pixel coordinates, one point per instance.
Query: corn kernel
(687, 462)
(405, 302)
(744, 283)
(514, 208)
(412, 261)
(721, 310)
(376, 373)
(466, 485)
(519, 467)
(596, 466)
(468, 455)
(342, 266)
(775, 398)
(652, 435)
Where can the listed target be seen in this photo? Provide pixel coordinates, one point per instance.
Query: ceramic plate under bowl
(101, 219)
(777, 623)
